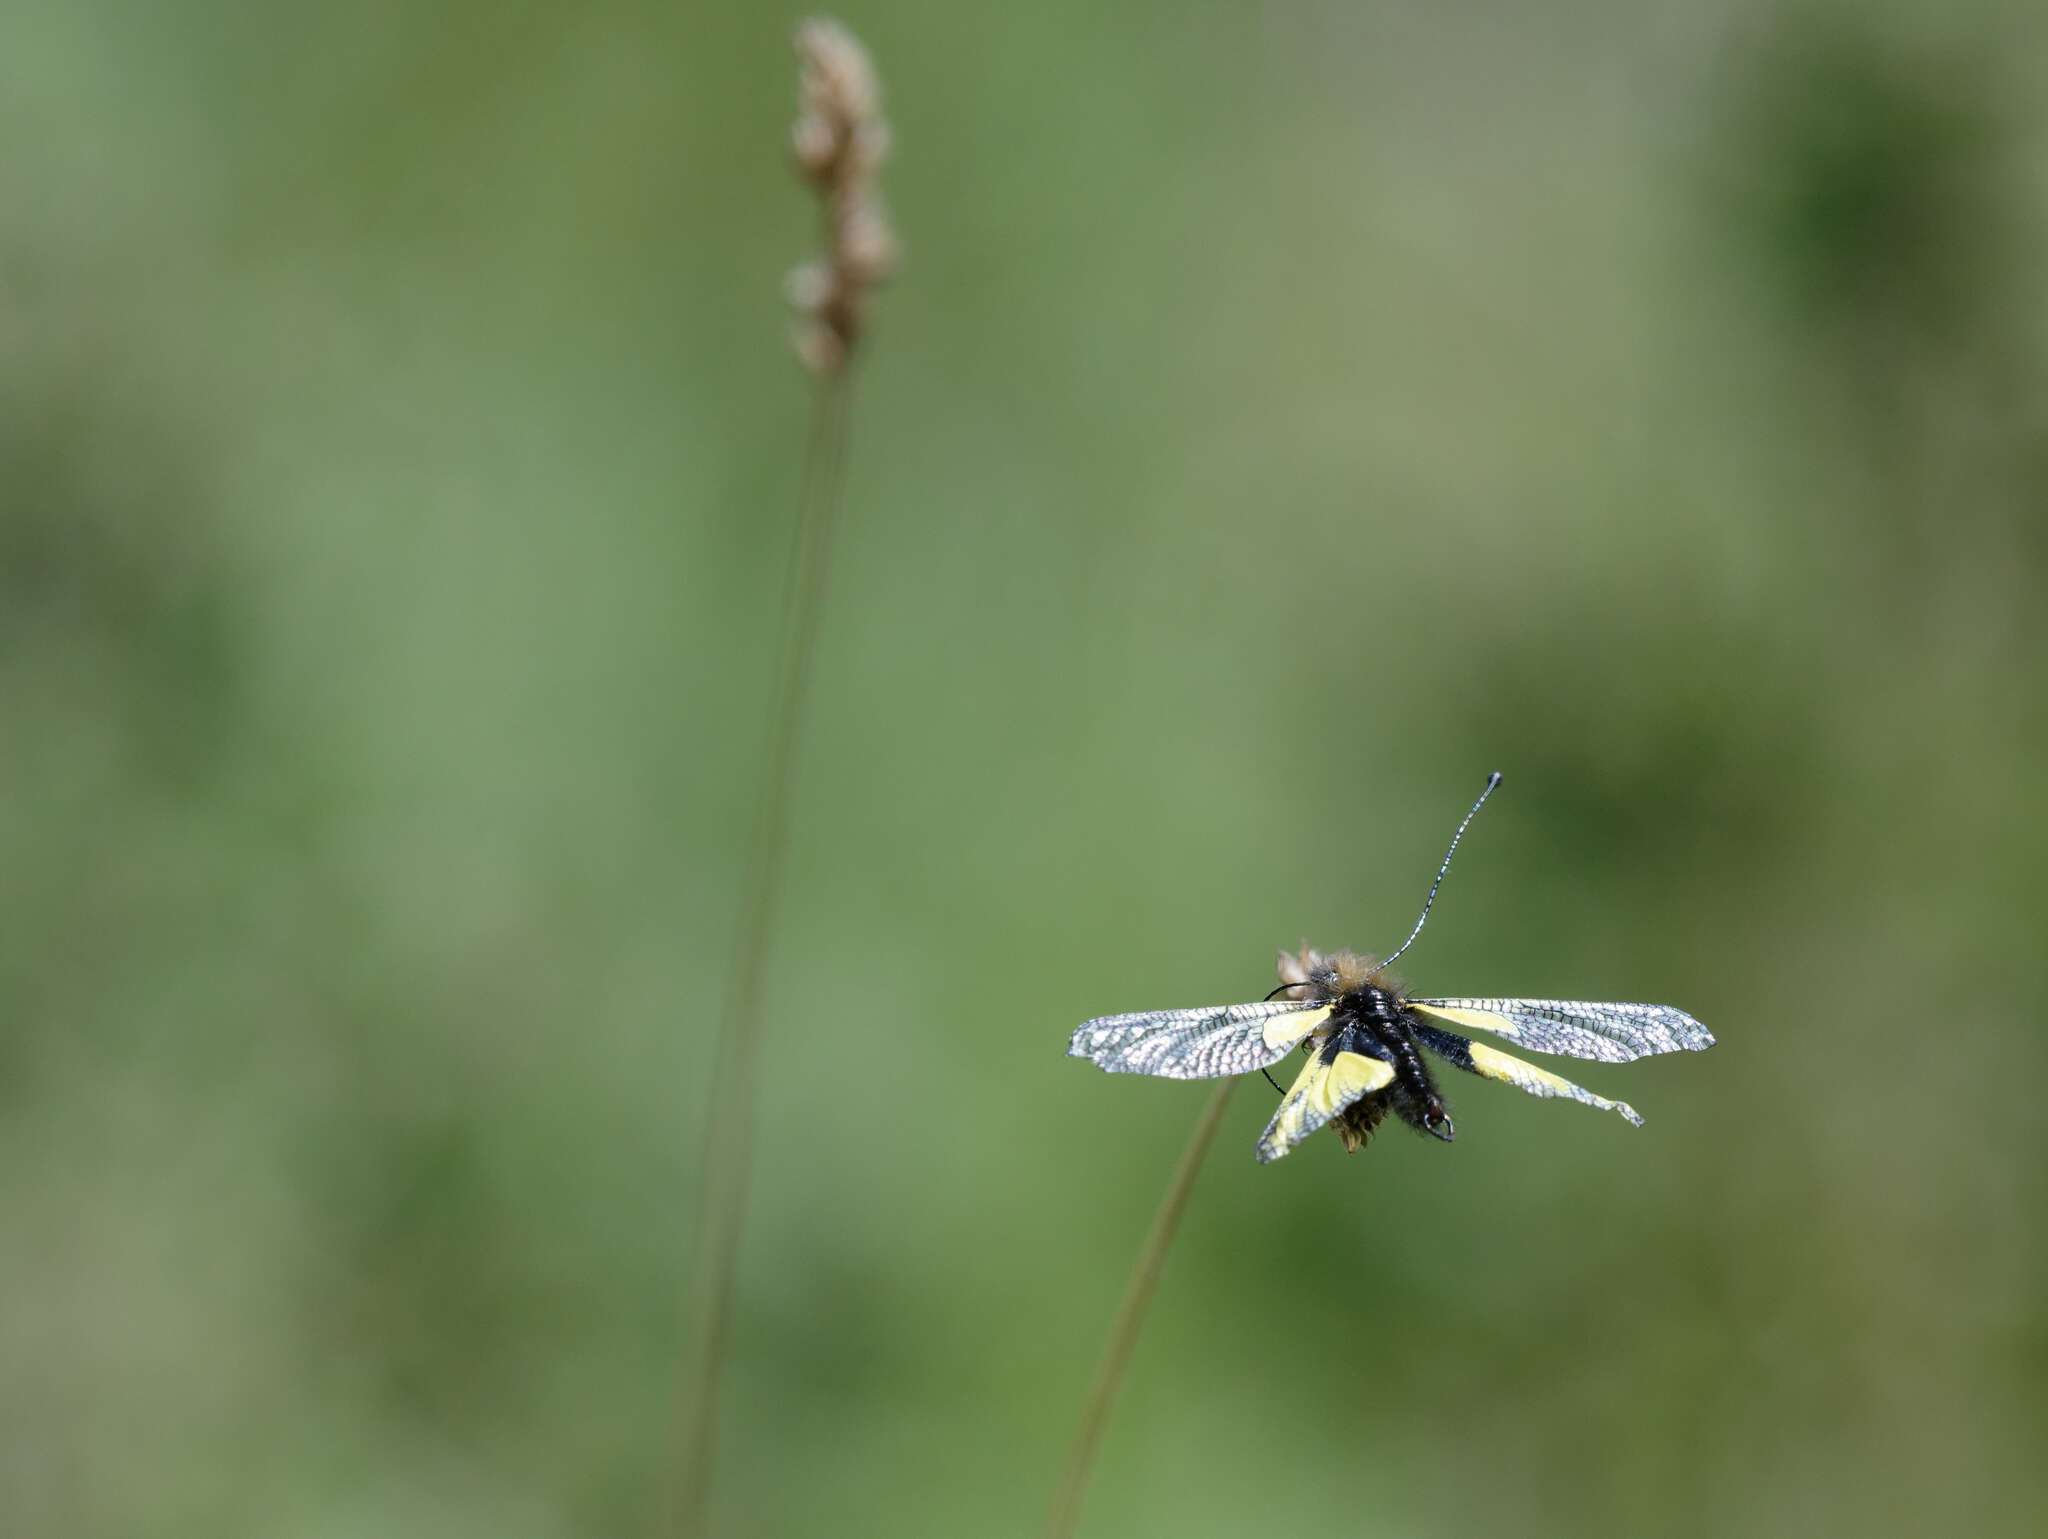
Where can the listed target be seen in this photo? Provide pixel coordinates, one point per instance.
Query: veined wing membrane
(1197, 1044)
(1575, 1028)
(1492, 1063)
(1324, 1088)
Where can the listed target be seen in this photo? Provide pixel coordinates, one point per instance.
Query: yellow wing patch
(1470, 1020)
(1494, 1064)
(1319, 1092)
(1351, 1076)
(1283, 1031)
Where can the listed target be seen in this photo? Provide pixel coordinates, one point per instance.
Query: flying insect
(1368, 1042)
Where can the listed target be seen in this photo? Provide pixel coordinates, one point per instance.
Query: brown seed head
(840, 141)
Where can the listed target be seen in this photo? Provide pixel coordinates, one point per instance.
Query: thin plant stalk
(839, 143)
(1130, 1319)
(728, 1146)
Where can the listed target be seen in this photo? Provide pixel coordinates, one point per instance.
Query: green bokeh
(1286, 414)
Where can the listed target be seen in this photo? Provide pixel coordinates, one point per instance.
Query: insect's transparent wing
(1574, 1028)
(1320, 1091)
(1197, 1044)
(1492, 1063)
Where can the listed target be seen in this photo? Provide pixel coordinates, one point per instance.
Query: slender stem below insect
(1123, 1336)
(729, 1121)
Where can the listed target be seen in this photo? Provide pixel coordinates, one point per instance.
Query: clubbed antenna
(1492, 781)
(840, 141)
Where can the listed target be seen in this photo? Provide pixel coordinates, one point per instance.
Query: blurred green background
(1286, 414)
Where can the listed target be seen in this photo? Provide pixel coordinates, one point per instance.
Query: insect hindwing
(1196, 1044)
(1492, 1063)
(1574, 1028)
(1320, 1091)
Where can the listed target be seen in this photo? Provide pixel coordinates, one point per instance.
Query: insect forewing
(1197, 1044)
(1575, 1028)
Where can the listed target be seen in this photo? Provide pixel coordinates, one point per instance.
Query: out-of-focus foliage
(1286, 414)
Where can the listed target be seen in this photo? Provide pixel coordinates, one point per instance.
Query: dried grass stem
(839, 142)
(1130, 1319)
(729, 1125)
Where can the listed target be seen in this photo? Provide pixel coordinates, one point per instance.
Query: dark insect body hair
(1369, 1014)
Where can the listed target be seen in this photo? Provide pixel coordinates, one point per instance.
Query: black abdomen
(1378, 1021)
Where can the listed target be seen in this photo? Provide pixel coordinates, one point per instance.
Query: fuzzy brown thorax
(1332, 975)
